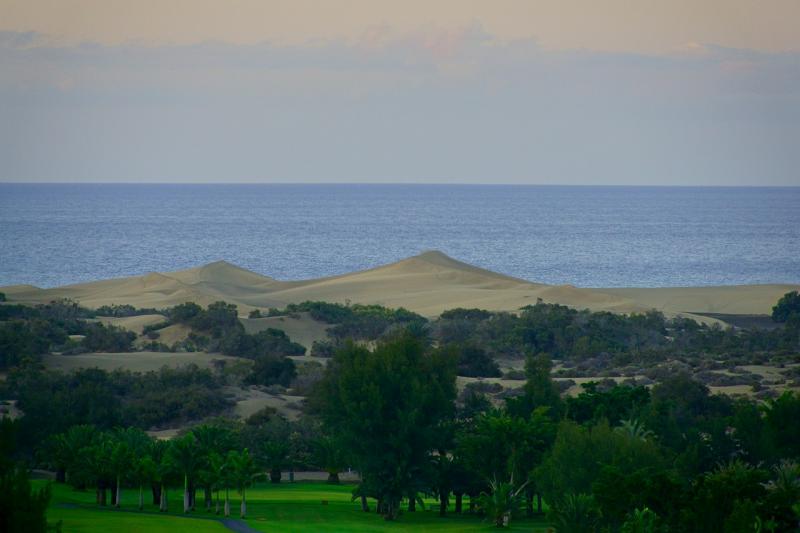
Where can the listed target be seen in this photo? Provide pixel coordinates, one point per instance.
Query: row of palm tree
(204, 458)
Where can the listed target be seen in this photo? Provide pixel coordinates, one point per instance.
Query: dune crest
(428, 283)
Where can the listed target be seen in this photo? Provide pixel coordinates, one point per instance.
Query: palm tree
(184, 456)
(121, 459)
(65, 452)
(144, 469)
(503, 502)
(330, 457)
(242, 469)
(96, 459)
(210, 440)
(634, 429)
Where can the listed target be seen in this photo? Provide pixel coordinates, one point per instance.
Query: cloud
(430, 104)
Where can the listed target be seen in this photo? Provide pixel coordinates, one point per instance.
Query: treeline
(605, 460)
(672, 458)
(561, 331)
(567, 333)
(27, 332)
(213, 459)
(54, 401)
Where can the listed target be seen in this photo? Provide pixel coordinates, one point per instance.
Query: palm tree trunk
(141, 497)
(118, 495)
(443, 503)
(227, 503)
(163, 506)
(185, 493)
(459, 502)
(539, 503)
(216, 510)
(207, 497)
(244, 504)
(412, 502)
(155, 488)
(364, 506)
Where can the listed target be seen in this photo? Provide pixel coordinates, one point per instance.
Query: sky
(619, 92)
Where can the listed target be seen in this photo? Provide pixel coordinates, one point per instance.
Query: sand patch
(302, 329)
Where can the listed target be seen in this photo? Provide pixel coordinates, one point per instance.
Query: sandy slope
(428, 283)
(301, 329)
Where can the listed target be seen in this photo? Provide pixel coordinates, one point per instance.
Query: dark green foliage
(465, 314)
(539, 390)
(614, 405)
(781, 423)
(500, 447)
(123, 310)
(269, 342)
(184, 313)
(787, 306)
(22, 509)
(473, 361)
(53, 402)
(720, 492)
(272, 370)
(579, 455)
(2, 297)
(357, 321)
(565, 333)
(102, 338)
(576, 513)
(385, 406)
(27, 339)
(324, 348)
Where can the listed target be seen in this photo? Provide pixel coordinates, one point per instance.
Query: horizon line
(396, 183)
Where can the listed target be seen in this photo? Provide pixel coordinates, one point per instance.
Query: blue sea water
(586, 236)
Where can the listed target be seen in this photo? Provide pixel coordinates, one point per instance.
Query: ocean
(53, 234)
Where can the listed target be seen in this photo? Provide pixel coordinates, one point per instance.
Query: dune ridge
(428, 283)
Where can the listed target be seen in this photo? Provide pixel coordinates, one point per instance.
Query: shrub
(271, 370)
(575, 513)
(788, 305)
(103, 338)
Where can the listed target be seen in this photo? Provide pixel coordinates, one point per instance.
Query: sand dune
(428, 283)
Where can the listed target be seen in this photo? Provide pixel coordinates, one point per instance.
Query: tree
(211, 439)
(143, 470)
(22, 508)
(503, 501)
(473, 361)
(500, 448)
(540, 390)
(384, 406)
(787, 306)
(580, 454)
(184, 456)
(242, 469)
(330, 456)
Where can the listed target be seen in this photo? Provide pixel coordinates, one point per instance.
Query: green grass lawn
(296, 507)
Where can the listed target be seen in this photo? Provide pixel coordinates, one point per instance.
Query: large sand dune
(428, 283)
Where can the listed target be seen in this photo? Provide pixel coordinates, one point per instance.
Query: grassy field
(296, 507)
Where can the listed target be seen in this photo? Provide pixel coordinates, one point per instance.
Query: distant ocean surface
(53, 235)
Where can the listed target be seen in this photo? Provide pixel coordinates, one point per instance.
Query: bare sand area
(428, 283)
(302, 329)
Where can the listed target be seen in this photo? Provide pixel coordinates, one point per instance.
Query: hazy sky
(562, 92)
